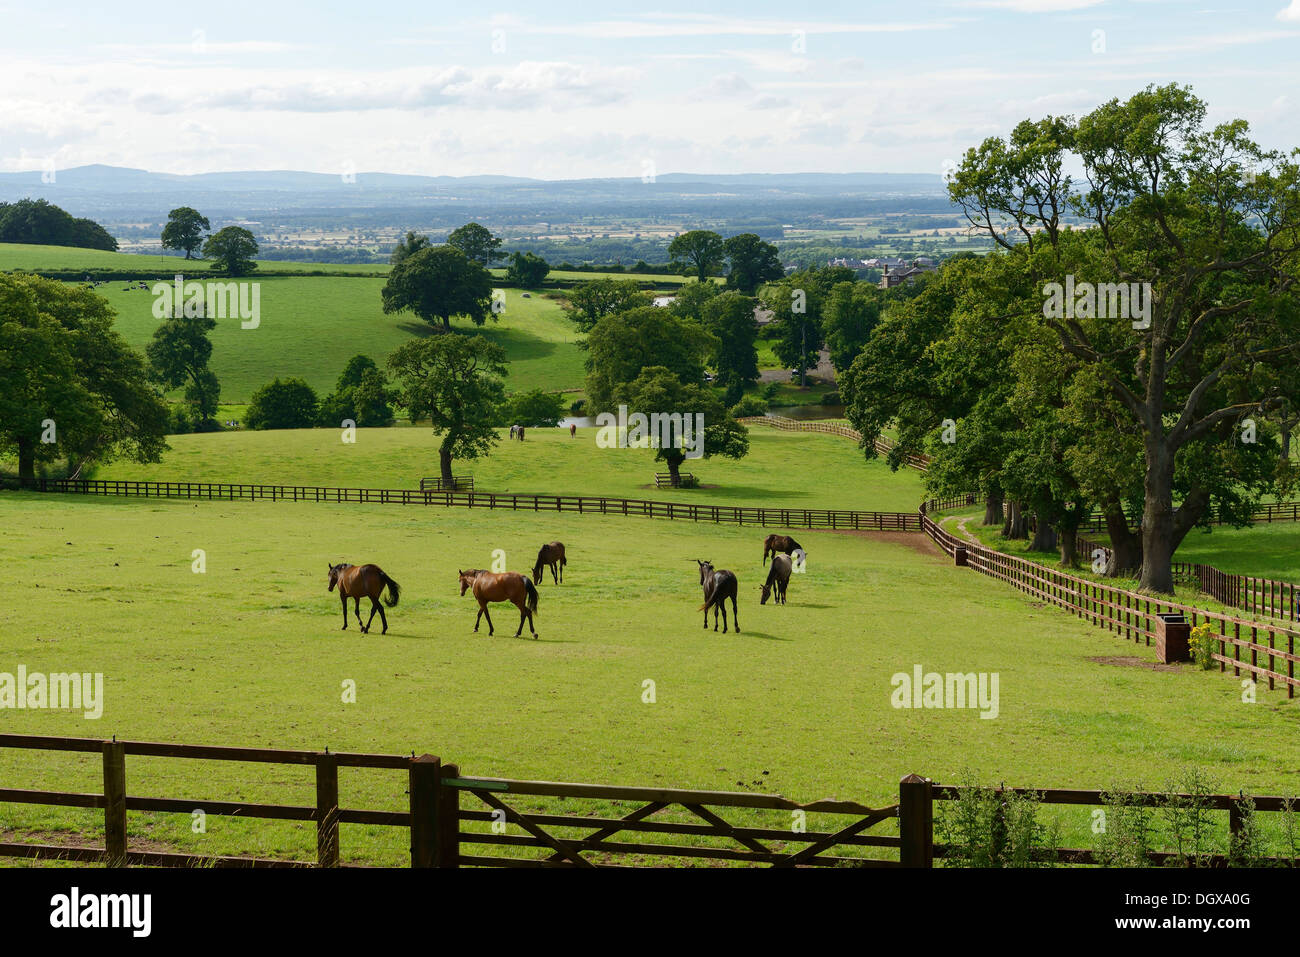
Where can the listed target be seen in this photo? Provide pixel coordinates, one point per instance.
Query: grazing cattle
(503, 586)
(718, 586)
(778, 577)
(356, 581)
(776, 544)
(551, 555)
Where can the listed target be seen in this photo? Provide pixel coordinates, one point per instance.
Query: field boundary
(1130, 613)
(435, 817)
(763, 516)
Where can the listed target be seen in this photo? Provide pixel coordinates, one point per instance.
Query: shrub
(287, 404)
(577, 406)
(750, 405)
(533, 409)
(1204, 643)
(689, 481)
(986, 827)
(832, 398)
(1126, 835)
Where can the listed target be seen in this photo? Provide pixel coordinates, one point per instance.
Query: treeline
(37, 222)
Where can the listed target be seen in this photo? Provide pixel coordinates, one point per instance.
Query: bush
(832, 398)
(287, 404)
(577, 406)
(178, 421)
(750, 405)
(770, 391)
(1204, 643)
(689, 481)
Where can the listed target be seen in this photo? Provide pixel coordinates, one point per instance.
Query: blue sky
(614, 89)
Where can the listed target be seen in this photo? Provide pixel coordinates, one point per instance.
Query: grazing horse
(776, 544)
(552, 555)
(355, 581)
(718, 586)
(573, 429)
(778, 576)
(503, 586)
(513, 430)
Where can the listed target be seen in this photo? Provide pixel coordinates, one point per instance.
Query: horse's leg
(723, 605)
(356, 610)
(345, 612)
(488, 615)
(479, 617)
(735, 615)
(374, 606)
(706, 615)
(523, 611)
(554, 578)
(382, 617)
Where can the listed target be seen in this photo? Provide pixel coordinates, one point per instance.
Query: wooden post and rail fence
(456, 821)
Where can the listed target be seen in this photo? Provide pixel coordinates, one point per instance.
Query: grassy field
(782, 468)
(799, 702)
(311, 327)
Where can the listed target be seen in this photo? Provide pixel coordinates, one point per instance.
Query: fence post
(916, 821)
(447, 822)
(115, 803)
(327, 810)
(424, 794)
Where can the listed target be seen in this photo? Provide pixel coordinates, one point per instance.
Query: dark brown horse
(368, 581)
(552, 555)
(776, 544)
(718, 587)
(503, 586)
(778, 577)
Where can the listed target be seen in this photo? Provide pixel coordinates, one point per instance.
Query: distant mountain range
(123, 180)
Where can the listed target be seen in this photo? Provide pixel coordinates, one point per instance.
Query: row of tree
(1156, 392)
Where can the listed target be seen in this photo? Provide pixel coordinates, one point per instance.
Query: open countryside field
(250, 652)
(311, 326)
(782, 468)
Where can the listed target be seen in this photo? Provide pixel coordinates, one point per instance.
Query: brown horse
(718, 586)
(778, 577)
(552, 555)
(503, 586)
(776, 544)
(356, 581)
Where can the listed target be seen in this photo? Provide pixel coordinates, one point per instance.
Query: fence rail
(1133, 614)
(459, 483)
(446, 830)
(835, 519)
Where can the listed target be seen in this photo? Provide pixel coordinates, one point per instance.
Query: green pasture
(250, 652)
(311, 326)
(58, 258)
(798, 470)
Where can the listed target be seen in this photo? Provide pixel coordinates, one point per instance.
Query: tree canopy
(184, 230)
(438, 282)
(232, 250)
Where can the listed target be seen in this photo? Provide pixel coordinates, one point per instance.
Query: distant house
(896, 275)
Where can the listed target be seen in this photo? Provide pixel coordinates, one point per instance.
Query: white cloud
(1290, 13)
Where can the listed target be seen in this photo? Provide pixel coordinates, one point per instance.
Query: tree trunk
(444, 461)
(1125, 546)
(993, 509)
(1286, 443)
(1016, 525)
(1044, 539)
(26, 462)
(674, 464)
(1158, 522)
(1068, 540)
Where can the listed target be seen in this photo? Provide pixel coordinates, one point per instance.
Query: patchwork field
(250, 652)
(311, 326)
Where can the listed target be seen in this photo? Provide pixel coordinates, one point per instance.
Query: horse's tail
(530, 591)
(563, 560)
(394, 591)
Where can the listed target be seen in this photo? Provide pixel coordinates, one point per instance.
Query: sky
(568, 90)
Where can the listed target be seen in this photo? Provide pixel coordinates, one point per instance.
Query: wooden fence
(454, 821)
(776, 517)
(438, 818)
(459, 483)
(1133, 614)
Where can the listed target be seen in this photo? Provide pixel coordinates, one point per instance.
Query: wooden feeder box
(959, 555)
(1173, 637)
